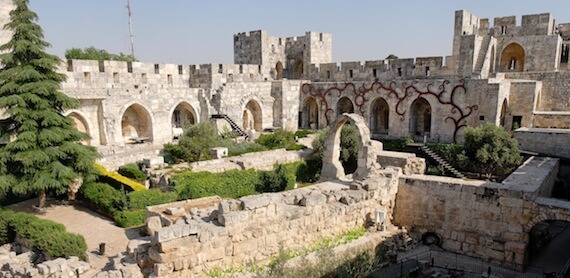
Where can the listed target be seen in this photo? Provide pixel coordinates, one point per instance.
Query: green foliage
(44, 152)
(235, 149)
(130, 218)
(92, 53)
(132, 171)
(152, 197)
(296, 147)
(230, 184)
(174, 153)
(280, 179)
(302, 133)
(348, 147)
(102, 196)
(309, 171)
(197, 141)
(491, 150)
(397, 144)
(117, 180)
(43, 235)
(279, 139)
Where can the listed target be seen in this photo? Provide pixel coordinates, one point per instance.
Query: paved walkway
(94, 228)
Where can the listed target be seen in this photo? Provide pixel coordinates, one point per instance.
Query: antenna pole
(131, 29)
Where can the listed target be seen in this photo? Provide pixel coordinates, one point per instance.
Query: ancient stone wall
(554, 142)
(5, 7)
(253, 228)
(477, 218)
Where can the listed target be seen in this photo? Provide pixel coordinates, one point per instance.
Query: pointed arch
(379, 116)
(183, 114)
(344, 105)
(81, 124)
(503, 114)
(252, 116)
(311, 113)
(298, 69)
(279, 70)
(136, 124)
(420, 121)
(512, 58)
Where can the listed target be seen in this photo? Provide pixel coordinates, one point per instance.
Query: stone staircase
(441, 161)
(483, 52)
(235, 128)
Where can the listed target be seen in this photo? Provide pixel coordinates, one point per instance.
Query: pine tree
(41, 150)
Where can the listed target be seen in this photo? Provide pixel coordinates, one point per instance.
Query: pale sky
(201, 31)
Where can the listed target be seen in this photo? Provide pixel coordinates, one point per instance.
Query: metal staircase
(441, 161)
(236, 129)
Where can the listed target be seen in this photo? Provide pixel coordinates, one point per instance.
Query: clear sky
(201, 31)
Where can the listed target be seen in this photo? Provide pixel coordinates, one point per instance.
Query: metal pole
(131, 29)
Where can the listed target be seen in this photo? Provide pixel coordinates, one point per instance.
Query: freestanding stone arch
(136, 124)
(367, 149)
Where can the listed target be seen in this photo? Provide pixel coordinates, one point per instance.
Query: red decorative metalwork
(444, 94)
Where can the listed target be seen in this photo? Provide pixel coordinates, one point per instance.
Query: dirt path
(95, 229)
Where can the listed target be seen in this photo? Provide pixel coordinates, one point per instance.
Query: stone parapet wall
(555, 142)
(253, 228)
(477, 218)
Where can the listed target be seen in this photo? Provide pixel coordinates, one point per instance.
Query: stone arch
(252, 116)
(379, 116)
(420, 120)
(183, 114)
(332, 167)
(279, 70)
(512, 58)
(503, 113)
(81, 124)
(298, 69)
(311, 113)
(136, 124)
(344, 105)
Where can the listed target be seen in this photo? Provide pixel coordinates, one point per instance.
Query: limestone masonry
(508, 73)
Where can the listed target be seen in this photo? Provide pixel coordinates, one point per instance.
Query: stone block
(255, 201)
(175, 211)
(312, 199)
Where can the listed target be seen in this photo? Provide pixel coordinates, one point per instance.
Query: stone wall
(5, 7)
(253, 228)
(477, 218)
(547, 141)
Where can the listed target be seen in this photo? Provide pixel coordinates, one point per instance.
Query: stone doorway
(420, 121)
(252, 116)
(183, 115)
(344, 105)
(311, 114)
(379, 116)
(279, 70)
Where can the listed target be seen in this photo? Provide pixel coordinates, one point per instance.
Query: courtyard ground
(94, 227)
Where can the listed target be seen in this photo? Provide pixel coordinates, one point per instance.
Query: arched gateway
(332, 167)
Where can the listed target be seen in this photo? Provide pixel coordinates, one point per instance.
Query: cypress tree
(40, 149)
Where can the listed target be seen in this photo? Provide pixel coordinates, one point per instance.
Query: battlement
(467, 24)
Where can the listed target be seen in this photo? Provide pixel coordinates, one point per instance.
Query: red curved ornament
(441, 94)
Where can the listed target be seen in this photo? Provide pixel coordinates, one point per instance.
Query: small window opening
(87, 77)
(156, 68)
(130, 67)
(512, 63)
(321, 37)
(481, 118)
(240, 69)
(220, 68)
(565, 54)
(328, 74)
(350, 73)
(169, 78)
(517, 122)
(69, 65)
(427, 71)
(116, 77)
(280, 41)
(399, 71)
(503, 30)
(180, 69)
(101, 66)
(374, 73)
(144, 79)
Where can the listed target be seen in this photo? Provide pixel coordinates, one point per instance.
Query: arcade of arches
(252, 116)
(136, 124)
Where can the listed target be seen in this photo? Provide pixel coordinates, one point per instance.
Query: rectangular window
(156, 68)
(169, 78)
(350, 73)
(427, 71)
(321, 37)
(220, 68)
(180, 70)
(481, 118)
(87, 78)
(240, 69)
(565, 53)
(517, 122)
(512, 63)
(503, 30)
(399, 71)
(101, 66)
(328, 74)
(69, 65)
(374, 73)
(116, 77)
(130, 67)
(259, 69)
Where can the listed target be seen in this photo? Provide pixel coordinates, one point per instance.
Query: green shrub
(43, 235)
(281, 178)
(104, 197)
(296, 147)
(309, 171)
(132, 171)
(152, 197)
(302, 133)
(235, 149)
(117, 180)
(230, 184)
(276, 140)
(197, 141)
(130, 218)
(174, 153)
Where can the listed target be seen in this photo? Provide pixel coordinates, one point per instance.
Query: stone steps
(441, 161)
(235, 128)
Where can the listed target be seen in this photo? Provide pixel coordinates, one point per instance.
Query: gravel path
(95, 229)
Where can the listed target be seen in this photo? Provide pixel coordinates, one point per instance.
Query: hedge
(229, 184)
(102, 196)
(117, 180)
(130, 218)
(132, 171)
(152, 197)
(43, 235)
